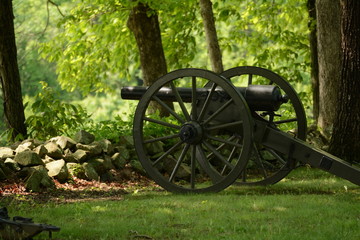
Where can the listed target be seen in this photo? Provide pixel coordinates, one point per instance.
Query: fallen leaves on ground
(76, 189)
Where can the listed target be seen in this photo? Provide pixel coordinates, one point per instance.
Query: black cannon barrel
(258, 97)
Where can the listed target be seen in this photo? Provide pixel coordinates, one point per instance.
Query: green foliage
(270, 34)
(52, 117)
(95, 47)
(93, 50)
(35, 22)
(111, 129)
(96, 51)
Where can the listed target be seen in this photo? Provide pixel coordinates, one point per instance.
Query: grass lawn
(308, 204)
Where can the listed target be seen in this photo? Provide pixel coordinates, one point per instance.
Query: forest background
(79, 53)
(101, 54)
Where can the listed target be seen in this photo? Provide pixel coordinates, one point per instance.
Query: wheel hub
(191, 133)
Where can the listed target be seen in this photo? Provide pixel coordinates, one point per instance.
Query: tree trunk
(144, 23)
(211, 36)
(314, 58)
(329, 55)
(9, 72)
(345, 141)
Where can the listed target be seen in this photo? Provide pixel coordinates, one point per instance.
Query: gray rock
(98, 165)
(106, 177)
(23, 147)
(10, 163)
(48, 159)
(6, 152)
(28, 158)
(69, 156)
(23, 173)
(183, 171)
(58, 170)
(76, 170)
(38, 179)
(65, 142)
(118, 160)
(80, 155)
(127, 141)
(6, 170)
(2, 175)
(136, 165)
(93, 149)
(124, 152)
(84, 137)
(28, 144)
(106, 146)
(90, 172)
(155, 147)
(40, 150)
(53, 150)
(108, 163)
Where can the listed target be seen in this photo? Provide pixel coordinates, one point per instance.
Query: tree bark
(144, 23)
(345, 141)
(329, 55)
(314, 58)
(9, 72)
(211, 36)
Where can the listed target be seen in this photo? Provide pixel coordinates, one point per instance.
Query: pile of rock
(38, 163)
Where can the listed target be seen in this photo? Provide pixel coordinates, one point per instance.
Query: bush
(52, 117)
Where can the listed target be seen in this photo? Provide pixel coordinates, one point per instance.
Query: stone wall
(38, 163)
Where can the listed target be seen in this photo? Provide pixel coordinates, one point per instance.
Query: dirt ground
(77, 189)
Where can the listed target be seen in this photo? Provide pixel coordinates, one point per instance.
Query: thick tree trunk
(211, 36)
(144, 24)
(314, 58)
(329, 57)
(9, 72)
(345, 141)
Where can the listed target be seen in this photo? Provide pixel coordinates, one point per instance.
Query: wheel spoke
(217, 112)
(162, 123)
(231, 156)
(221, 146)
(193, 166)
(185, 132)
(256, 75)
(207, 102)
(258, 160)
(161, 138)
(218, 155)
(180, 101)
(225, 125)
(250, 79)
(225, 141)
(172, 112)
(179, 161)
(194, 115)
(167, 153)
(204, 163)
(277, 156)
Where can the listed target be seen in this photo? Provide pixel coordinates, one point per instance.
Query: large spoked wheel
(267, 166)
(193, 147)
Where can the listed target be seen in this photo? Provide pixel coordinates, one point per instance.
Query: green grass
(308, 204)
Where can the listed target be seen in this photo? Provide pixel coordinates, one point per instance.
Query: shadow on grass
(302, 181)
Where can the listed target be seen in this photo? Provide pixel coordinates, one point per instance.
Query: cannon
(245, 126)
(21, 228)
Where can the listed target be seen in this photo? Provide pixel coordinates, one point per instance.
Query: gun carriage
(245, 126)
